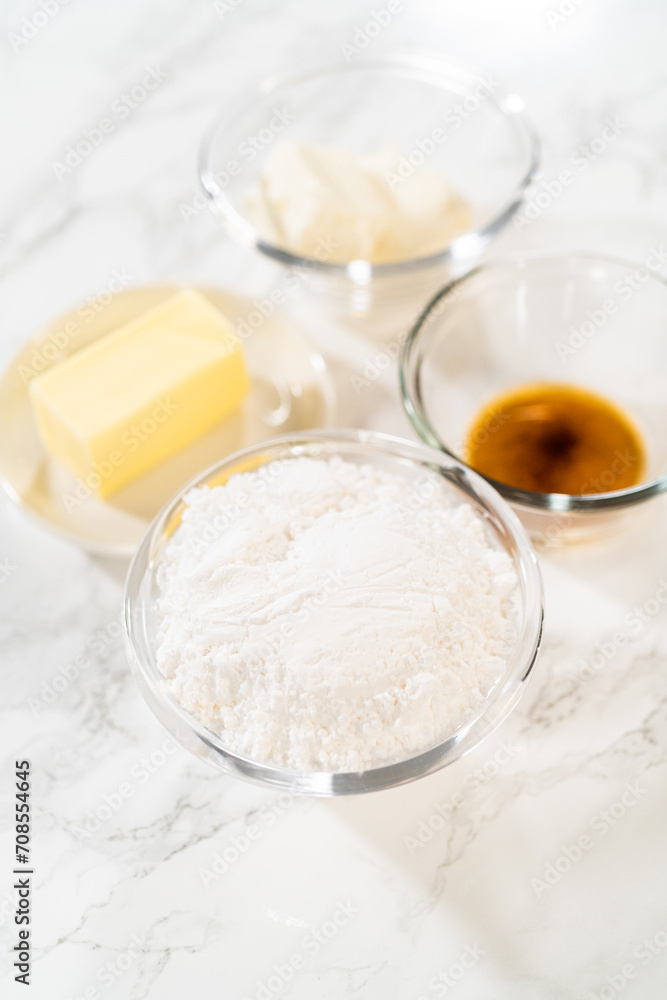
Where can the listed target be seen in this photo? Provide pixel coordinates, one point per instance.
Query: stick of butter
(117, 408)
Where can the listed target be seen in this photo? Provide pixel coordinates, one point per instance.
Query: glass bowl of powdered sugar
(335, 612)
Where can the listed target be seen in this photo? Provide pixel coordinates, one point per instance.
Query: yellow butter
(115, 409)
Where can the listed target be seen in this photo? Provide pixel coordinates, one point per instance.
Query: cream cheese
(367, 208)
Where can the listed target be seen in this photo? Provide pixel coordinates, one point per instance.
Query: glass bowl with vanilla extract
(548, 375)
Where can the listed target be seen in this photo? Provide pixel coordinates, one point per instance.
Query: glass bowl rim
(411, 395)
(404, 60)
(325, 783)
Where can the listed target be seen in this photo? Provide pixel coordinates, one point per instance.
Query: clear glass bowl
(489, 154)
(417, 464)
(579, 319)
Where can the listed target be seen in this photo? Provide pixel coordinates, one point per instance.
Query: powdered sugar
(320, 614)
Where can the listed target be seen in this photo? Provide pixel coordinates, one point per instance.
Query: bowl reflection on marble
(415, 464)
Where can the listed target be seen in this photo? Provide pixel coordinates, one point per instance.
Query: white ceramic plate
(291, 391)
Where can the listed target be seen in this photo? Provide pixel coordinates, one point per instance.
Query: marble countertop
(534, 867)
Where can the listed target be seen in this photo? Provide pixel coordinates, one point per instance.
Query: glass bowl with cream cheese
(333, 612)
(371, 179)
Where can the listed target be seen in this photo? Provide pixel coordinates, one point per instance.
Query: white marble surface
(122, 910)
